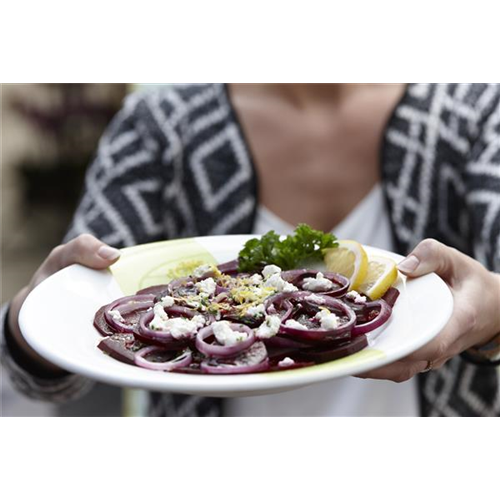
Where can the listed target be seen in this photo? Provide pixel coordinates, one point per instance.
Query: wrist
(494, 317)
(488, 351)
(496, 294)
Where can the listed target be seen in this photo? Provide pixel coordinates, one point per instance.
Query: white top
(368, 223)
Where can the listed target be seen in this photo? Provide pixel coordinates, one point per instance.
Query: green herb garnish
(305, 244)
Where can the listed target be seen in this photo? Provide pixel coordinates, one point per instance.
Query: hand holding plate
(475, 319)
(86, 250)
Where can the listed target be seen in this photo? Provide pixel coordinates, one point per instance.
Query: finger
(432, 256)
(86, 250)
(399, 371)
(436, 365)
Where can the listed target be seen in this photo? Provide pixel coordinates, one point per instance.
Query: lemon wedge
(348, 259)
(381, 275)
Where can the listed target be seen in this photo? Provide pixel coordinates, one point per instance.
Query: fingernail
(108, 253)
(409, 265)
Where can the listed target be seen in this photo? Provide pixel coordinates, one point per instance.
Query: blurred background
(49, 135)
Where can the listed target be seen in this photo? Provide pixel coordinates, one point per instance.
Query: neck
(303, 93)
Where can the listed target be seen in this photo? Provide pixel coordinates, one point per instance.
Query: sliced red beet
(319, 355)
(101, 324)
(121, 347)
(230, 267)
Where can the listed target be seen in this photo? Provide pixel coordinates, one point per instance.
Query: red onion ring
(181, 311)
(286, 297)
(382, 317)
(219, 351)
(297, 276)
(294, 276)
(275, 302)
(153, 290)
(181, 361)
(164, 337)
(132, 306)
(391, 296)
(322, 334)
(253, 360)
(175, 285)
(342, 282)
(138, 303)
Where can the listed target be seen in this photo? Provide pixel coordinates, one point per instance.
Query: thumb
(88, 251)
(431, 256)
(85, 249)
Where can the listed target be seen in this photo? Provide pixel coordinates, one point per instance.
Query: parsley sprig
(304, 245)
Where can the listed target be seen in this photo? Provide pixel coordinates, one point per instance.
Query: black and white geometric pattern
(441, 172)
(174, 163)
(171, 164)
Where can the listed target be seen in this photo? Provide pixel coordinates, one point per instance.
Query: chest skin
(315, 162)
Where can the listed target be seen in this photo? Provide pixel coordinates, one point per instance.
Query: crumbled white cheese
(328, 320)
(198, 320)
(201, 270)
(286, 362)
(177, 327)
(270, 270)
(318, 284)
(270, 327)
(181, 328)
(291, 323)
(358, 299)
(317, 299)
(207, 286)
(116, 315)
(256, 310)
(255, 279)
(167, 301)
(225, 335)
(159, 319)
(277, 282)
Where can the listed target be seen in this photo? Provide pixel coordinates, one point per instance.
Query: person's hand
(86, 250)
(476, 312)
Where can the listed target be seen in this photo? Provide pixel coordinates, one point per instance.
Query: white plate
(57, 316)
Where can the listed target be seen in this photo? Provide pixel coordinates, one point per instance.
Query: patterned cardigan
(175, 163)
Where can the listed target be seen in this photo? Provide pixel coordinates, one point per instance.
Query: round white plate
(57, 316)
